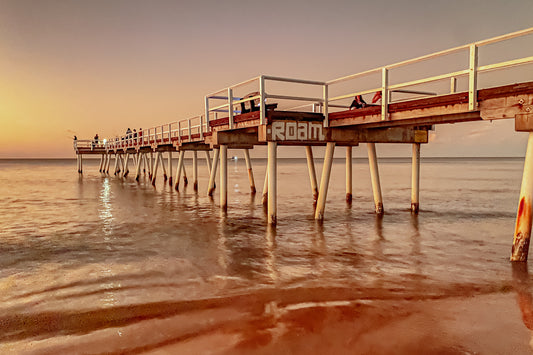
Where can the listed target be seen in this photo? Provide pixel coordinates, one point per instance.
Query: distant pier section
(370, 107)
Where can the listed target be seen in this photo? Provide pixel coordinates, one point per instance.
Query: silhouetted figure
(358, 102)
(377, 97)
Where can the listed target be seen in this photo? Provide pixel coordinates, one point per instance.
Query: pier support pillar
(250, 171)
(144, 162)
(116, 164)
(349, 174)
(108, 163)
(169, 168)
(224, 177)
(195, 170)
(156, 166)
(415, 179)
(312, 172)
(522, 232)
(213, 172)
(324, 181)
(101, 162)
(160, 155)
(138, 166)
(374, 174)
(179, 169)
(264, 200)
(151, 165)
(126, 170)
(272, 182)
(185, 180)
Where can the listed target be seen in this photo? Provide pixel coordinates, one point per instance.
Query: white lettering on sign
(293, 131)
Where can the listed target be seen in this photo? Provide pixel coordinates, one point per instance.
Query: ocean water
(87, 258)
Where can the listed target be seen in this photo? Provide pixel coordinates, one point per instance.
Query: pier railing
(223, 103)
(471, 71)
(228, 104)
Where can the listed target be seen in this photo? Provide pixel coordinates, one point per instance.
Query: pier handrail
(197, 126)
(262, 96)
(472, 72)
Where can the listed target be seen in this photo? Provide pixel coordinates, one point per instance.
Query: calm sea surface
(81, 254)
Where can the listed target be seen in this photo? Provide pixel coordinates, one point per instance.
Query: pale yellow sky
(86, 67)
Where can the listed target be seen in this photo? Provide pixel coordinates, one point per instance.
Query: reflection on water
(89, 256)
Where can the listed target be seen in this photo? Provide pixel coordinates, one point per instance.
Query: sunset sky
(100, 66)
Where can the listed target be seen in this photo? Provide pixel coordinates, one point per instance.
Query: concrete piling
(374, 175)
(349, 174)
(264, 199)
(179, 169)
(224, 177)
(415, 178)
(169, 168)
(195, 170)
(213, 172)
(156, 166)
(522, 234)
(272, 182)
(250, 171)
(324, 181)
(312, 172)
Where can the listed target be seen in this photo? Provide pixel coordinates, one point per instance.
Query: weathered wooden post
(349, 174)
(195, 170)
(213, 173)
(415, 179)
(250, 171)
(522, 232)
(169, 168)
(160, 156)
(151, 165)
(179, 169)
(324, 181)
(264, 199)
(185, 180)
(312, 173)
(374, 174)
(272, 182)
(224, 177)
(108, 163)
(154, 174)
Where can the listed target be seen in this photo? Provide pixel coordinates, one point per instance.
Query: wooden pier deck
(250, 113)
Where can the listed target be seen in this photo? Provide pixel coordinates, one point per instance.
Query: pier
(278, 111)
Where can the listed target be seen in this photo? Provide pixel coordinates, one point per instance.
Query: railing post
(230, 107)
(384, 94)
(207, 113)
(189, 128)
(472, 78)
(201, 127)
(325, 105)
(453, 85)
(262, 110)
(169, 132)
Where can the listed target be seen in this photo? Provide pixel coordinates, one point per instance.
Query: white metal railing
(195, 127)
(471, 71)
(226, 96)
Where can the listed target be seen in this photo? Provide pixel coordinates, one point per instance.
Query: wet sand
(291, 323)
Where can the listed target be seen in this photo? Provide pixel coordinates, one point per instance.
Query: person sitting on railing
(358, 102)
(75, 138)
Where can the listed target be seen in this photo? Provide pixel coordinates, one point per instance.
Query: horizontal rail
(429, 80)
(346, 96)
(507, 64)
(295, 98)
(296, 81)
(234, 86)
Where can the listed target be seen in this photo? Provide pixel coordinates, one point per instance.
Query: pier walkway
(276, 111)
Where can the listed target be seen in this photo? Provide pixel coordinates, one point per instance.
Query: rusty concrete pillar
(522, 232)
(312, 172)
(265, 189)
(415, 178)
(169, 168)
(374, 174)
(250, 171)
(272, 182)
(224, 177)
(213, 172)
(324, 181)
(349, 174)
(179, 169)
(195, 170)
